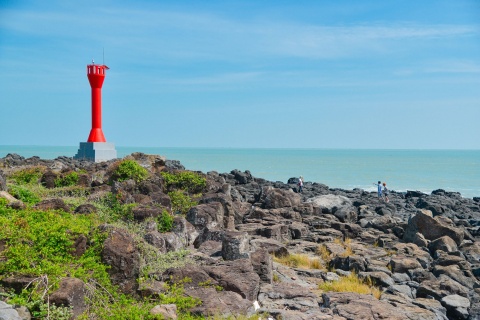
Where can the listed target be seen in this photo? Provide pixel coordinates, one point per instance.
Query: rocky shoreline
(421, 250)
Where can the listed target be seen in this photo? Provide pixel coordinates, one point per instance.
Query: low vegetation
(39, 244)
(129, 169)
(351, 283)
(298, 260)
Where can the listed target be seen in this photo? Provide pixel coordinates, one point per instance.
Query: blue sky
(266, 74)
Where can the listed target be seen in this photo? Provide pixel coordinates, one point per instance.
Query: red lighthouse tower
(96, 76)
(96, 148)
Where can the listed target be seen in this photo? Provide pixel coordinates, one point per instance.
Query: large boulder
(281, 296)
(441, 287)
(432, 228)
(235, 245)
(354, 306)
(218, 303)
(209, 215)
(331, 203)
(71, 293)
(52, 204)
(238, 276)
(120, 253)
(457, 306)
(274, 198)
(262, 263)
(7, 312)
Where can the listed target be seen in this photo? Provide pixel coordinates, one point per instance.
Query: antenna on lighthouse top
(93, 62)
(103, 55)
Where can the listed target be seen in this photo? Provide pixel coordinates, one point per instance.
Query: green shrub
(24, 194)
(130, 169)
(68, 180)
(189, 181)
(181, 202)
(165, 222)
(28, 175)
(115, 209)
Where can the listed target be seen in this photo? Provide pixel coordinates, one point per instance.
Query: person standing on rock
(379, 190)
(385, 192)
(300, 184)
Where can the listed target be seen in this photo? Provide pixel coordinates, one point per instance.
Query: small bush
(68, 180)
(24, 194)
(181, 202)
(130, 169)
(28, 175)
(165, 222)
(189, 181)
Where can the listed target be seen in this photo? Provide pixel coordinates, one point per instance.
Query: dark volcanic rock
(432, 228)
(71, 293)
(120, 253)
(52, 204)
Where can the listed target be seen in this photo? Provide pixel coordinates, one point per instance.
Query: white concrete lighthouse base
(96, 151)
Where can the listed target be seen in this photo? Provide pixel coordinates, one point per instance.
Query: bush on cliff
(24, 194)
(70, 179)
(188, 181)
(129, 169)
(27, 175)
(181, 202)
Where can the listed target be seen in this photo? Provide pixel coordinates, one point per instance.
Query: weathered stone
(444, 243)
(7, 312)
(402, 264)
(378, 278)
(272, 246)
(71, 293)
(79, 246)
(238, 276)
(349, 263)
(208, 235)
(354, 306)
(156, 239)
(184, 230)
(142, 212)
(120, 254)
(219, 303)
(52, 204)
(235, 245)
(208, 215)
(279, 232)
(152, 288)
(48, 179)
(167, 311)
(432, 228)
(287, 296)
(277, 198)
(86, 208)
(262, 263)
(3, 182)
(440, 287)
(17, 283)
(457, 306)
(464, 277)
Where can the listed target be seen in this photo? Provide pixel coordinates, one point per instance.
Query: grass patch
(297, 260)
(351, 283)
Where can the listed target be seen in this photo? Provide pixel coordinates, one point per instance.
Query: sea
(402, 170)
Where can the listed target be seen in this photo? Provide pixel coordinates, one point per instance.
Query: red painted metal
(96, 75)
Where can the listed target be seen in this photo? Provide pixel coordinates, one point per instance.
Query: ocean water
(402, 170)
